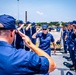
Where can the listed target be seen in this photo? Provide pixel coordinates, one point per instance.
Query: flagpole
(18, 9)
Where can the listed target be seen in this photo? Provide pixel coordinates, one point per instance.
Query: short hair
(4, 32)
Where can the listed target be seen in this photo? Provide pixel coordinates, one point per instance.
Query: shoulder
(30, 60)
(23, 55)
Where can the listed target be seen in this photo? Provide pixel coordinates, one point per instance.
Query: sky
(40, 10)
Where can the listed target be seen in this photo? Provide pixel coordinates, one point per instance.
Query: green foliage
(54, 24)
(40, 23)
(49, 24)
(63, 23)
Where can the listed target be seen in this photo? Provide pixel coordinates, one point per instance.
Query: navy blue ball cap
(70, 23)
(20, 22)
(66, 25)
(7, 22)
(44, 26)
(33, 23)
(28, 22)
(74, 22)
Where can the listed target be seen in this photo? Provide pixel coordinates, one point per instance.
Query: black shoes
(72, 68)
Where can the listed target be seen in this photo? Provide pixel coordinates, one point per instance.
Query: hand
(27, 27)
(20, 27)
(26, 39)
(38, 30)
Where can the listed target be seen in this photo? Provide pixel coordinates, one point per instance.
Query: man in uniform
(73, 39)
(65, 35)
(33, 28)
(18, 40)
(69, 40)
(28, 32)
(45, 38)
(19, 61)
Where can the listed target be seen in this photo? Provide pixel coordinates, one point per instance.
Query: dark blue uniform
(18, 40)
(28, 33)
(44, 41)
(33, 31)
(20, 62)
(71, 45)
(65, 32)
(74, 51)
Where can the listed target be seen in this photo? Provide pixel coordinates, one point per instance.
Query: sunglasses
(44, 29)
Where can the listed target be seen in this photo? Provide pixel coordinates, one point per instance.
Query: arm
(38, 51)
(34, 35)
(28, 27)
(20, 27)
(54, 45)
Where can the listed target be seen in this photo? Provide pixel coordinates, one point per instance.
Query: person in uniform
(45, 38)
(33, 28)
(18, 39)
(65, 35)
(28, 32)
(19, 61)
(73, 39)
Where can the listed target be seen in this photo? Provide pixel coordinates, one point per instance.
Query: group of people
(19, 54)
(29, 30)
(69, 40)
(15, 44)
(45, 38)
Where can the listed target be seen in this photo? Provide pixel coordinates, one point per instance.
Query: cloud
(39, 13)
